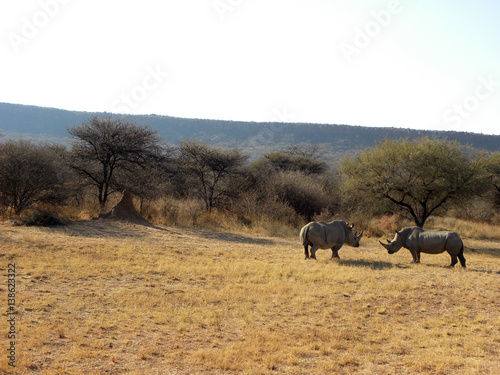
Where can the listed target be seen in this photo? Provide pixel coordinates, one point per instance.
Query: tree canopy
(418, 177)
(211, 170)
(287, 162)
(105, 148)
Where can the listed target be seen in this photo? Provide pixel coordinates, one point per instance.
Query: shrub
(304, 194)
(31, 173)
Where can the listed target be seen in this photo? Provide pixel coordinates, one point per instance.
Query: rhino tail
(303, 234)
(461, 256)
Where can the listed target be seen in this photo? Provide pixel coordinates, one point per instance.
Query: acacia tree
(30, 173)
(106, 148)
(286, 162)
(212, 170)
(417, 177)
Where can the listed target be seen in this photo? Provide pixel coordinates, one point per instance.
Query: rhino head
(353, 237)
(394, 245)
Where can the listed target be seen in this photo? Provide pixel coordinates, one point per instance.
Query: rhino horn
(383, 244)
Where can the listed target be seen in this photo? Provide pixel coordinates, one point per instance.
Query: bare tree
(106, 148)
(211, 170)
(30, 173)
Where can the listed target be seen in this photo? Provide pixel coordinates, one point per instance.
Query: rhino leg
(454, 260)
(461, 257)
(306, 251)
(314, 248)
(335, 252)
(415, 257)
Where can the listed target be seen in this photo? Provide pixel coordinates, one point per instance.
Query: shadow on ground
(103, 228)
(483, 250)
(230, 237)
(107, 228)
(372, 265)
(458, 266)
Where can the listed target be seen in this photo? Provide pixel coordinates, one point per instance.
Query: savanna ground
(98, 297)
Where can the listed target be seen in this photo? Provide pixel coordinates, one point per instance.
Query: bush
(41, 219)
(31, 173)
(304, 194)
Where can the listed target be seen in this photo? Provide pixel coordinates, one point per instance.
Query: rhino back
(437, 241)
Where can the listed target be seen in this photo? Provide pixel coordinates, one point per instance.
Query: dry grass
(101, 297)
(386, 225)
(467, 228)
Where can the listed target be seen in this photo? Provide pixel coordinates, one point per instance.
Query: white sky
(405, 63)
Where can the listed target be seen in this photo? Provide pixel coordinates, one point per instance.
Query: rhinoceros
(419, 240)
(331, 235)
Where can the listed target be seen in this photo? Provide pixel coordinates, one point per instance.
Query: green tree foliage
(107, 152)
(417, 176)
(493, 171)
(31, 173)
(211, 171)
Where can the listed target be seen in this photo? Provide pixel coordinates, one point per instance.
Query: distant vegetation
(194, 182)
(253, 138)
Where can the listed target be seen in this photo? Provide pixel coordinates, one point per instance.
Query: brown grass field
(107, 297)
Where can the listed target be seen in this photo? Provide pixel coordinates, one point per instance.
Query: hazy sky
(405, 63)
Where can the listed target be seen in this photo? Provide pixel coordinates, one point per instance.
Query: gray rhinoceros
(331, 235)
(419, 240)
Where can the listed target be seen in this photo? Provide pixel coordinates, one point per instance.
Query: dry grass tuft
(467, 228)
(107, 297)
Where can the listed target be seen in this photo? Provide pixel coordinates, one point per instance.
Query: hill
(253, 137)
